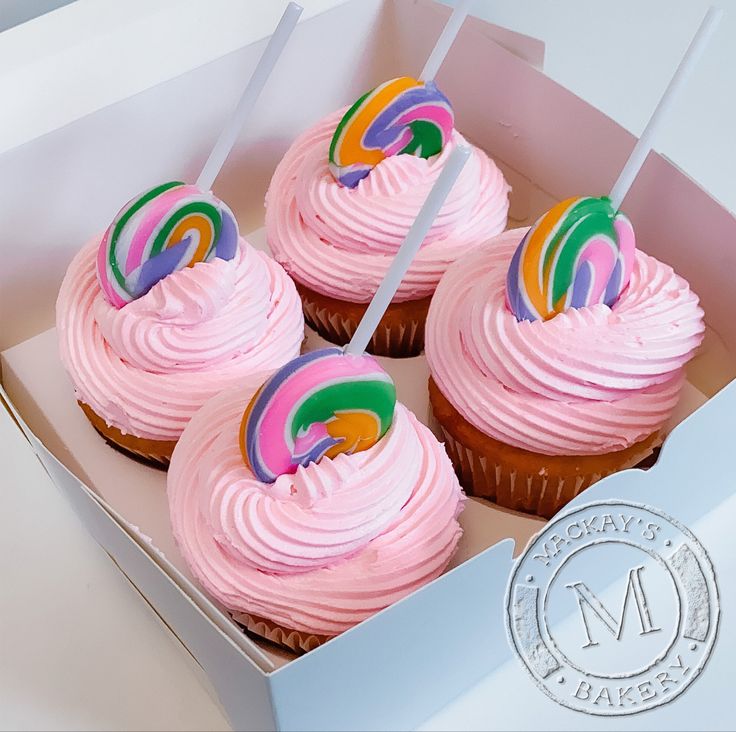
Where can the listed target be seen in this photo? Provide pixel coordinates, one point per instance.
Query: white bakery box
(397, 668)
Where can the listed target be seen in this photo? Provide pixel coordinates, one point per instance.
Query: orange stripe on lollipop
(352, 150)
(356, 431)
(535, 273)
(206, 233)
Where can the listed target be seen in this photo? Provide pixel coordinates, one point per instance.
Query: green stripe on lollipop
(341, 125)
(376, 397)
(591, 218)
(426, 139)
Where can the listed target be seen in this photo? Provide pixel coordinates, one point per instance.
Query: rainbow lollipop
(582, 251)
(165, 229)
(175, 225)
(319, 405)
(335, 401)
(401, 116)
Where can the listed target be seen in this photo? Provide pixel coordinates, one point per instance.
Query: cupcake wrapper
(509, 488)
(294, 640)
(520, 480)
(400, 333)
(151, 452)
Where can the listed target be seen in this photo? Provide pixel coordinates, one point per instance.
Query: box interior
(43, 394)
(547, 141)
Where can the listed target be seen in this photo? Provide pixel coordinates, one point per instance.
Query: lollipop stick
(445, 40)
(407, 251)
(644, 145)
(258, 80)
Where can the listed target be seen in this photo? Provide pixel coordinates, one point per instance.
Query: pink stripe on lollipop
(155, 211)
(401, 142)
(441, 116)
(627, 247)
(600, 253)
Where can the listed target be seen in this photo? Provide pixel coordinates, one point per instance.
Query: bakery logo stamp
(613, 608)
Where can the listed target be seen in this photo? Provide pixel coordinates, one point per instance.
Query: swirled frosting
(147, 367)
(340, 241)
(322, 549)
(591, 380)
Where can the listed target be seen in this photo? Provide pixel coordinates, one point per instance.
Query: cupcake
(335, 222)
(300, 553)
(536, 406)
(166, 310)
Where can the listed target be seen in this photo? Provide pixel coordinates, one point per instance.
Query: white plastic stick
(408, 249)
(258, 80)
(451, 29)
(644, 145)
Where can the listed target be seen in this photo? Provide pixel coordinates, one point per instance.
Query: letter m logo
(587, 599)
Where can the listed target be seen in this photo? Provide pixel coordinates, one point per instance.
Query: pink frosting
(325, 548)
(589, 381)
(340, 241)
(147, 367)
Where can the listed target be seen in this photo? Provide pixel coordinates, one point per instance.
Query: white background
(61, 667)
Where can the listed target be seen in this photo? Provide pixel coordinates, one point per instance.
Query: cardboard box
(388, 672)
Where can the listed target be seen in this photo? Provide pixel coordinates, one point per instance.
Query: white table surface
(79, 648)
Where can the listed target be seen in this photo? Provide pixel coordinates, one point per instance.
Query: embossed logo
(613, 608)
